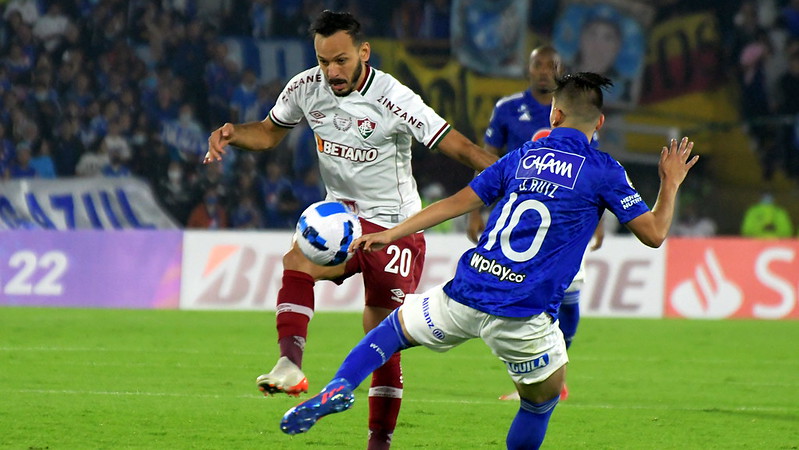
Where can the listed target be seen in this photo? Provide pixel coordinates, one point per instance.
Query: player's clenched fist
(217, 142)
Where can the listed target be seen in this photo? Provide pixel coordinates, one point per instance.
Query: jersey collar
(367, 80)
(573, 133)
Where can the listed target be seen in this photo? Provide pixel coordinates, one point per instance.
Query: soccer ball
(325, 231)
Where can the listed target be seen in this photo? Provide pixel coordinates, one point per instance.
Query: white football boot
(285, 377)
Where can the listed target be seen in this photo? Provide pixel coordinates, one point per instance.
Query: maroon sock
(295, 306)
(385, 398)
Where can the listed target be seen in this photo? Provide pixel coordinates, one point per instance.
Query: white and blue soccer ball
(325, 231)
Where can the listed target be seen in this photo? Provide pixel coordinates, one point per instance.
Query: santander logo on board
(732, 278)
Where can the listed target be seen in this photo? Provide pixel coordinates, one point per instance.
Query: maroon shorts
(390, 274)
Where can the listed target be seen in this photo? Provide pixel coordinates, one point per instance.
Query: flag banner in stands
(80, 203)
(89, 268)
(489, 36)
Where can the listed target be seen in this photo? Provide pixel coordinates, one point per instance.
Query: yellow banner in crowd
(460, 96)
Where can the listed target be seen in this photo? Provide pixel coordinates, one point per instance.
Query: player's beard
(355, 77)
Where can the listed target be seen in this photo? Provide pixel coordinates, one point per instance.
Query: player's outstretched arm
(475, 225)
(458, 147)
(652, 227)
(459, 203)
(252, 136)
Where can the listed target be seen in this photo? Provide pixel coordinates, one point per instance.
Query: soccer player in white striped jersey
(364, 122)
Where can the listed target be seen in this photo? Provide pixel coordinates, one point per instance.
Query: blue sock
(569, 316)
(373, 351)
(530, 425)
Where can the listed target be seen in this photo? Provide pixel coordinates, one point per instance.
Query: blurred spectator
(189, 60)
(18, 63)
(267, 94)
(116, 143)
(307, 189)
(212, 177)
(218, 76)
(274, 189)
(42, 161)
(51, 28)
(68, 147)
(184, 137)
(116, 165)
(263, 16)
(166, 106)
(209, 214)
(174, 192)
(691, 223)
(21, 166)
(7, 153)
(766, 219)
(152, 160)
(91, 163)
(436, 20)
(788, 92)
(28, 10)
(245, 214)
(243, 102)
(80, 92)
(406, 21)
(789, 17)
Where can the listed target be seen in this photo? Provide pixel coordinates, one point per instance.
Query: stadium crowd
(118, 88)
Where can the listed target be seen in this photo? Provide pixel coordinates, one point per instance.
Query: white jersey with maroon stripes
(364, 139)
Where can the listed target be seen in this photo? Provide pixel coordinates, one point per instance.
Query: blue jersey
(514, 121)
(550, 195)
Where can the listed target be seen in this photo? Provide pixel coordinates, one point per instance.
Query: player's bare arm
(458, 147)
(459, 203)
(475, 224)
(252, 136)
(652, 227)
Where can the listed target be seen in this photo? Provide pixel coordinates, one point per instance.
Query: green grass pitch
(115, 379)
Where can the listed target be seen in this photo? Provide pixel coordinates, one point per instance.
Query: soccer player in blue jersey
(517, 119)
(550, 195)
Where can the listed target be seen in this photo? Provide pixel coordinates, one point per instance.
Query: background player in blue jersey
(550, 195)
(517, 119)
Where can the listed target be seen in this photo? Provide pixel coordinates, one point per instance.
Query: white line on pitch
(419, 400)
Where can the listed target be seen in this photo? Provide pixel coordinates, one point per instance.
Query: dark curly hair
(329, 23)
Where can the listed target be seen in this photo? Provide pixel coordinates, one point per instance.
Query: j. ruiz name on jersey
(400, 112)
(345, 151)
(300, 82)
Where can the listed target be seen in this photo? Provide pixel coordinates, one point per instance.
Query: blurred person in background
(767, 220)
(42, 161)
(273, 188)
(7, 152)
(244, 98)
(21, 165)
(210, 213)
(245, 214)
(92, 160)
(174, 192)
(691, 223)
(365, 161)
